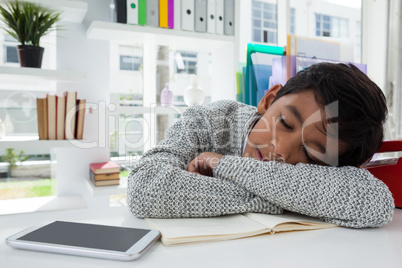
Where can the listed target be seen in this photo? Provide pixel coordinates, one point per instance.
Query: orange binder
(389, 170)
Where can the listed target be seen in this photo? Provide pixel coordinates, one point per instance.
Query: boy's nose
(281, 154)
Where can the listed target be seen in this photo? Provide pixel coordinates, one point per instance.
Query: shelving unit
(73, 162)
(108, 31)
(37, 74)
(72, 11)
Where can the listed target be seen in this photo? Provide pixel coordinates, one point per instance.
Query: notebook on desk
(198, 230)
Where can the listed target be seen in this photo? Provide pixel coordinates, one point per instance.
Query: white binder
(200, 13)
(228, 19)
(211, 16)
(153, 13)
(220, 4)
(177, 14)
(187, 15)
(132, 11)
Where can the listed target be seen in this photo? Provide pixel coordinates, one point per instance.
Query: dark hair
(361, 106)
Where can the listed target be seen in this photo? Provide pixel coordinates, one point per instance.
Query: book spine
(45, 119)
(171, 14)
(187, 15)
(71, 99)
(211, 16)
(229, 17)
(40, 117)
(163, 13)
(153, 13)
(219, 16)
(80, 119)
(132, 12)
(121, 11)
(177, 14)
(61, 115)
(200, 11)
(51, 114)
(142, 12)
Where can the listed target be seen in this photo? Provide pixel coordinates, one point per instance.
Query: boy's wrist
(204, 163)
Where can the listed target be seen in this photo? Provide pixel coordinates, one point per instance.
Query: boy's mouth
(272, 156)
(258, 155)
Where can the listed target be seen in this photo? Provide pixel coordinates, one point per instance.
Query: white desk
(337, 247)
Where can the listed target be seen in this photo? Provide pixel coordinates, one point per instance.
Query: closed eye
(309, 159)
(283, 122)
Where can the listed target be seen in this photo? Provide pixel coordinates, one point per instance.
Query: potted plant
(12, 157)
(27, 22)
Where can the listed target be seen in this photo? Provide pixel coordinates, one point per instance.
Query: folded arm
(346, 196)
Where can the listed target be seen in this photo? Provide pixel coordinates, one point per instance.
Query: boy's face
(291, 130)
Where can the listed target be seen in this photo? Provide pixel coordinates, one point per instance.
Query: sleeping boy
(299, 150)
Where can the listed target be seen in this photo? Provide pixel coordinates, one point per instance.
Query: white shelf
(38, 74)
(25, 142)
(107, 190)
(72, 11)
(109, 31)
(149, 110)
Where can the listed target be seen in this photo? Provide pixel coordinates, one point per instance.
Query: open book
(197, 230)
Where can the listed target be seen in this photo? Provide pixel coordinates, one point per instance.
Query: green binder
(250, 89)
(142, 12)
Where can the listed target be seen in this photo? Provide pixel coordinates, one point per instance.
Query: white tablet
(90, 240)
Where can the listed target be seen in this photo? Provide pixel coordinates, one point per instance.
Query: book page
(215, 226)
(289, 221)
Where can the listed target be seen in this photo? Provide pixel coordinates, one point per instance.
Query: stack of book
(104, 174)
(60, 117)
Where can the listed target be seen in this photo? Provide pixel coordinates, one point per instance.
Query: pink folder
(171, 13)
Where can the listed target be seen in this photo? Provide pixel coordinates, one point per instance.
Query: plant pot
(30, 56)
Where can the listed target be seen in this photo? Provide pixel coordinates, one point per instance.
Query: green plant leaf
(28, 22)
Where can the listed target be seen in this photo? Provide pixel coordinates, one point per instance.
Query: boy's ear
(266, 101)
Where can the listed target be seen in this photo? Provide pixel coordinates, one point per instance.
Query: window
(331, 26)
(333, 20)
(130, 58)
(126, 80)
(358, 42)
(292, 20)
(10, 50)
(264, 22)
(186, 62)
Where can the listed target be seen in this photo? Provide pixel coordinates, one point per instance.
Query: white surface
(107, 190)
(24, 205)
(109, 31)
(72, 11)
(24, 142)
(336, 247)
(37, 74)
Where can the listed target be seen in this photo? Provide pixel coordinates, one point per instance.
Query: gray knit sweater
(160, 186)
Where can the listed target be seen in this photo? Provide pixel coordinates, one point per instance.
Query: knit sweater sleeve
(346, 196)
(159, 185)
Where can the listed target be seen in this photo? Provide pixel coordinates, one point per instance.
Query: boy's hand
(204, 164)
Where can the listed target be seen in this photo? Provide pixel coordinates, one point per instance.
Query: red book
(389, 170)
(105, 167)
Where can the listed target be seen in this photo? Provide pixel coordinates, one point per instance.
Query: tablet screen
(86, 235)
